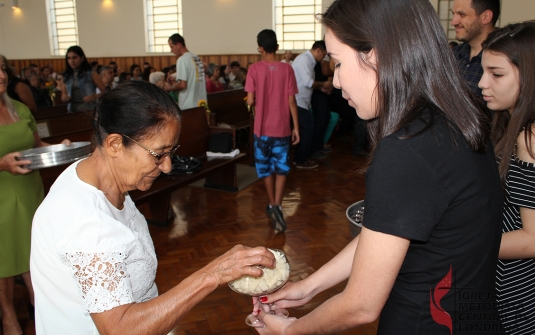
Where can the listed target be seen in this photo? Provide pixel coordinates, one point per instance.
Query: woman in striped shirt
(508, 85)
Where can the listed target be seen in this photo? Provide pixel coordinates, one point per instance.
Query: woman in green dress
(21, 192)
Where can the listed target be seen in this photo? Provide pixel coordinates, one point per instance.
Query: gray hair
(104, 68)
(211, 68)
(156, 77)
(10, 108)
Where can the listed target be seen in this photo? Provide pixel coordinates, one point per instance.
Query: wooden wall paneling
(157, 61)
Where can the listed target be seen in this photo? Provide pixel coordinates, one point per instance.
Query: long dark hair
(135, 108)
(516, 42)
(415, 67)
(84, 66)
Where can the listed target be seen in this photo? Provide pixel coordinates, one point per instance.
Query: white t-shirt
(303, 66)
(87, 257)
(189, 68)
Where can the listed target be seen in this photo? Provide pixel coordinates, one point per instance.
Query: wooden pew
(220, 173)
(54, 125)
(228, 109)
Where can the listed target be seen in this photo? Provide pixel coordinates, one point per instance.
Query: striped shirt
(515, 281)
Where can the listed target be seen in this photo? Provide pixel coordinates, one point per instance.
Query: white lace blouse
(87, 257)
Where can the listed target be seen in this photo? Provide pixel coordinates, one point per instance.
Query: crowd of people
(450, 177)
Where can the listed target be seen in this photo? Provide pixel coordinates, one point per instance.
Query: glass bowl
(269, 282)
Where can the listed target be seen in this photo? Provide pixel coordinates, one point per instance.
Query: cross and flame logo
(439, 315)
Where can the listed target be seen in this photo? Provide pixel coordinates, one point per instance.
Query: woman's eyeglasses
(159, 157)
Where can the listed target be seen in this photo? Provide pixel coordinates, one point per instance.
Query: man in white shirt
(303, 66)
(190, 78)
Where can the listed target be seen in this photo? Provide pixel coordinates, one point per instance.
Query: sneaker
(319, 155)
(309, 164)
(326, 149)
(276, 216)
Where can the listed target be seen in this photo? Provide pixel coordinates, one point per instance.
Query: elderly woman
(288, 57)
(92, 255)
(21, 191)
(157, 78)
(79, 81)
(431, 229)
(212, 83)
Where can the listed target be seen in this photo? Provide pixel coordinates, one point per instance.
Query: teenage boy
(271, 87)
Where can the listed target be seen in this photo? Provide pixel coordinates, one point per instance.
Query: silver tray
(355, 215)
(54, 155)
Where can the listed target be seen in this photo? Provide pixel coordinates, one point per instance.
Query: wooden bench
(220, 173)
(54, 125)
(228, 109)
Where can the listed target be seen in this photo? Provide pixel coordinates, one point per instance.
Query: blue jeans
(322, 115)
(303, 151)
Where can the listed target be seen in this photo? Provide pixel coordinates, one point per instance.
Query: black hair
(177, 38)
(482, 5)
(84, 66)
(166, 70)
(415, 67)
(319, 45)
(123, 75)
(135, 109)
(267, 39)
(146, 73)
(93, 63)
(132, 68)
(112, 63)
(235, 64)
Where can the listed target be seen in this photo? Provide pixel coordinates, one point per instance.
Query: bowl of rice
(270, 281)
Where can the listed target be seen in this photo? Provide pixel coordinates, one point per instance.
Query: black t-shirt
(447, 199)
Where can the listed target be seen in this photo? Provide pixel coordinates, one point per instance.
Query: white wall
(24, 31)
(116, 27)
(111, 28)
(225, 26)
(516, 11)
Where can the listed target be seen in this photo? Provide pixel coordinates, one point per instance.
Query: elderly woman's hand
(240, 261)
(10, 164)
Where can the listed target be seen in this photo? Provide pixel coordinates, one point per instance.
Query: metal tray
(54, 155)
(355, 215)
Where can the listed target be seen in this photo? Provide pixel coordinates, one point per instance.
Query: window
(163, 18)
(63, 29)
(295, 23)
(445, 15)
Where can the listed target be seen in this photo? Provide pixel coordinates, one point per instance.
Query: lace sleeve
(102, 279)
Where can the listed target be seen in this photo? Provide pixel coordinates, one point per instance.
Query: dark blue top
(471, 69)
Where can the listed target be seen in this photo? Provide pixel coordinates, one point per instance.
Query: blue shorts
(271, 155)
